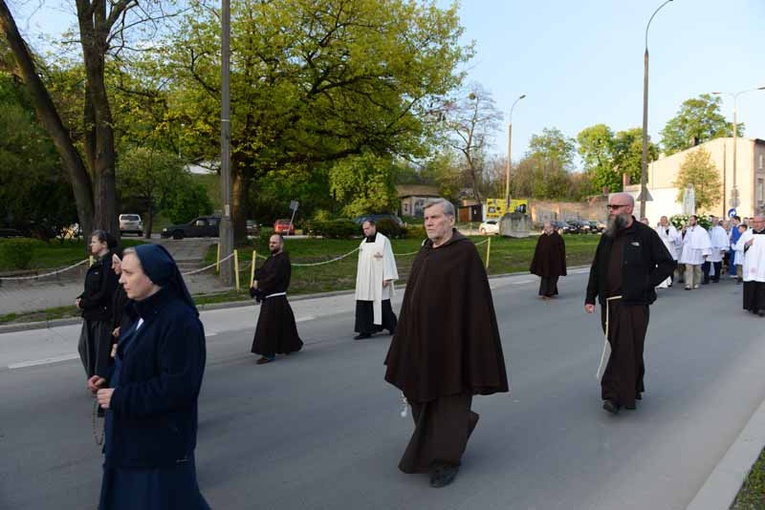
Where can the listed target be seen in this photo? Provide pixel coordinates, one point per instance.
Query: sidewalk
(61, 289)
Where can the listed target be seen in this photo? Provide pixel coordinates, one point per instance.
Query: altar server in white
(696, 247)
(719, 240)
(673, 241)
(754, 266)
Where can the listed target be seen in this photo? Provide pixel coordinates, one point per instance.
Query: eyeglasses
(616, 206)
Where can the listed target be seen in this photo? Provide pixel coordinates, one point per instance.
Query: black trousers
(365, 317)
(705, 267)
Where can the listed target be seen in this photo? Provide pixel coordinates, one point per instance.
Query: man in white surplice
(672, 240)
(719, 240)
(696, 247)
(374, 283)
(753, 241)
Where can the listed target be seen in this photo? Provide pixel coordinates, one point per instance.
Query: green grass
(62, 312)
(507, 255)
(751, 496)
(57, 254)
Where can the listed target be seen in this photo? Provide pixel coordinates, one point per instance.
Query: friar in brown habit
(276, 332)
(630, 261)
(549, 261)
(446, 347)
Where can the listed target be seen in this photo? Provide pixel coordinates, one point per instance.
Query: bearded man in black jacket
(630, 261)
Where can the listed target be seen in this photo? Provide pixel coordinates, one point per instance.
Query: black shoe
(639, 396)
(362, 336)
(611, 406)
(761, 313)
(631, 407)
(442, 474)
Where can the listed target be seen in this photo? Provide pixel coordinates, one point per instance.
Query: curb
(723, 484)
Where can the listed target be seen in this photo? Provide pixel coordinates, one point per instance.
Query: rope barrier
(208, 267)
(9, 278)
(341, 257)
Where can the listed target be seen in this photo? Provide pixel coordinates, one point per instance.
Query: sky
(580, 62)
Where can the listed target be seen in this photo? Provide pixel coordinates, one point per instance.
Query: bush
(416, 232)
(334, 229)
(265, 233)
(17, 253)
(390, 228)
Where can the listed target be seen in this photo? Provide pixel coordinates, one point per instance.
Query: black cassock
(754, 292)
(276, 332)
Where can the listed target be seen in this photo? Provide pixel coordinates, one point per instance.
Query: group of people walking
(445, 348)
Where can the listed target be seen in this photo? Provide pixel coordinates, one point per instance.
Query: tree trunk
(93, 35)
(241, 188)
(51, 121)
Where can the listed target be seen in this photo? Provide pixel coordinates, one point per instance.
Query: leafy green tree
(313, 82)
(30, 169)
(103, 30)
(698, 170)
(149, 179)
(698, 120)
(596, 147)
(364, 184)
(187, 201)
(551, 156)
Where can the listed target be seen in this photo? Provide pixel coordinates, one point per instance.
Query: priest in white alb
(753, 241)
(672, 240)
(374, 283)
(696, 248)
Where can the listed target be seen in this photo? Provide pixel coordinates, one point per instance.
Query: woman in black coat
(97, 308)
(151, 398)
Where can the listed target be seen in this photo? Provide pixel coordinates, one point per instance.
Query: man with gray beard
(630, 261)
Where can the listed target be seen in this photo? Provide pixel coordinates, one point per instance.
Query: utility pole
(226, 234)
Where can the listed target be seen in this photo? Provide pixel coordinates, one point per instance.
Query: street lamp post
(734, 190)
(509, 154)
(644, 162)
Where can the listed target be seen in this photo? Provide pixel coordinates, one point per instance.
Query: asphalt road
(321, 429)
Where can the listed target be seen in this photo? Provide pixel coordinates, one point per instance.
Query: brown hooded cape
(549, 257)
(447, 340)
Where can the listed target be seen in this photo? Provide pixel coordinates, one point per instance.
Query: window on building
(760, 186)
(762, 157)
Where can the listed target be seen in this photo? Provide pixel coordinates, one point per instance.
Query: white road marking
(305, 319)
(45, 361)
(521, 282)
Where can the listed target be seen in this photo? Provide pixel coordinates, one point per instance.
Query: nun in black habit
(151, 395)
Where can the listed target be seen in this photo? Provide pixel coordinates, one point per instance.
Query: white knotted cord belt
(606, 346)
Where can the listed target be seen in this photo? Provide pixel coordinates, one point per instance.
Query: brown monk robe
(549, 261)
(446, 349)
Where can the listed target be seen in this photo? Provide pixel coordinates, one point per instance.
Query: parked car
(561, 226)
(10, 232)
(131, 224)
(203, 226)
(284, 226)
(377, 217)
(597, 227)
(489, 227)
(579, 226)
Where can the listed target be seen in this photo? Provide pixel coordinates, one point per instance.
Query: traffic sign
(731, 212)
